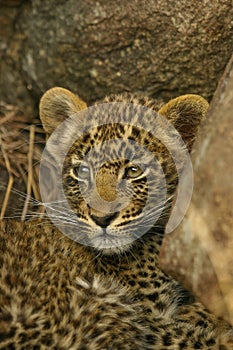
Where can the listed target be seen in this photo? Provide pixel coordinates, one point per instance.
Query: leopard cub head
(116, 164)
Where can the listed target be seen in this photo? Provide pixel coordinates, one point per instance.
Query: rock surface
(96, 47)
(200, 250)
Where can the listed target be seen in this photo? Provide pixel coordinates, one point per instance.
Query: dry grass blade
(21, 149)
(6, 118)
(10, 181)
(30, 172)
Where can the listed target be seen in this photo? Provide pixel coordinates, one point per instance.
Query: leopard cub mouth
(109, 240)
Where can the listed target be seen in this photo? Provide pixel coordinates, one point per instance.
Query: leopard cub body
(113, 191)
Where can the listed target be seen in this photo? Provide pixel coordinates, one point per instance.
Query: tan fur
(193, 106)
(56, 105)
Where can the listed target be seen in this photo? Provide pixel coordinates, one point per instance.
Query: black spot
(6, 317)
(186, 298)
(151, 250)
(157, 284)
(121, 128)
(126, 216)
(198, 345)
(143, 284)
(153, 297)
(132, 283)
(202, 314)
(132, 138)
(153, 275)
(11, 347)
(151, 339)
(10, 334)
(87, 150)
(139, 266)
(153, 329)
(202, 324)
(46, 341)
(160, 305)
(143, 274)
(8, 279)
(190, 333)
(86, 137)
(47, 325)
(167, 339)
(135, 132)
(163, 279)
(148, 311)
(69, 181)
(210, 342)
(179, 331)
(183, 345)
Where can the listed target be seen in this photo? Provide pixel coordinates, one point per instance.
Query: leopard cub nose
(104, 221)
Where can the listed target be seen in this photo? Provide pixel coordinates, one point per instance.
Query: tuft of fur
(51, 297)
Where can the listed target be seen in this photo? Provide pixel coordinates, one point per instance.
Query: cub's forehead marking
(104, 140)
(109, 131)
(113, 113)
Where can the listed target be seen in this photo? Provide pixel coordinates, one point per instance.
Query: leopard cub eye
(81, 171)
(132, 172)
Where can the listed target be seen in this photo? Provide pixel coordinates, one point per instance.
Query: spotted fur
(56, 293)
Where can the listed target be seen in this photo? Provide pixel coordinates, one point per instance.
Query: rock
(96, 48)
(200, 250)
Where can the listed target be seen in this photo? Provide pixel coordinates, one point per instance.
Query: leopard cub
(111, 177)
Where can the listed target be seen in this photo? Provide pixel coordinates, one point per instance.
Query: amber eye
(82, 172)
(133, 171)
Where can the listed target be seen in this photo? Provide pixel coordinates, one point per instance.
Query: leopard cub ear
(56, 105)
(186, 113)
